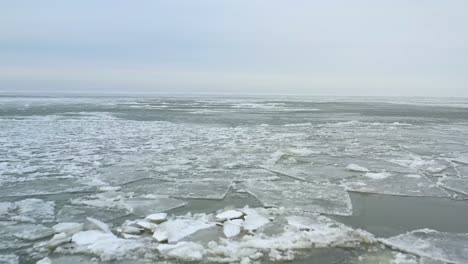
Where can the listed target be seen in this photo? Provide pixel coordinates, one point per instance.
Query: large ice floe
(446, 247)
(302, 196)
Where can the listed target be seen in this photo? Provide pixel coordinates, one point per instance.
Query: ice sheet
(43, 187)
(302, 196)
(395, 184)
(140, 206)
(447, 247)
(200, 189)
(76, 213)
(455, 184)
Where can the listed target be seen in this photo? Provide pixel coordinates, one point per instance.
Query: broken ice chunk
(357, 168)
(377, 175)
(106, 245)
(188, 251)
(160, 235)
(232, 228)
(28, 210)
(58, 239)
(228, 215)
(253, 219)
(68, 228)
(89, 237)
(147, 225)
(131, 230)
(447, 247)
(182, 227)
(34, 232)
(302, 196)
(101, 225)
(157, 218)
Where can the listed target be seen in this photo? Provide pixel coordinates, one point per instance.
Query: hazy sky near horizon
(361, 47)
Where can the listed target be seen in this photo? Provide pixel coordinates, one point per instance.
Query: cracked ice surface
(302, 196)
(447, 247)
(455, 184)
(387, 183)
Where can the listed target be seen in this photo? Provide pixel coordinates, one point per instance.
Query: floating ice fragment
(407, 185)
(147, 225)
(180, 228)
(131, 230)
(157, 218)
(160, 235)
(232, 228)
(302, 196)
(228, 215)
(447, 247)
(455, 184)
(34, 232)
(101, 225)
(28, 210)
(188, 251)
(377, 175)
(58, 239)
(105, 245)
(68, 228)
(89, 237)
(357, 168)
(253, 219)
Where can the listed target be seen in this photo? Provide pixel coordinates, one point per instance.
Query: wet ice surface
(120, 159)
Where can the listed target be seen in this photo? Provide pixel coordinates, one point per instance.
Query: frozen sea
(231, 179)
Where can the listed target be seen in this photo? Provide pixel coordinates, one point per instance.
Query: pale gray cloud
(359, 47)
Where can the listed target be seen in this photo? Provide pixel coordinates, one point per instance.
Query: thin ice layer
(140, 206)
(191, 189)
(455, 184)
(42, 187)
(447, 247)
(15, 236)
(182, 227)
(302, 196)
(77, 213)
(387, 183)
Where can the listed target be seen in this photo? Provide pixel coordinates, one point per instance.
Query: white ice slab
(229, 214)
(179, 228)
(232, 228)
(302, 196)
(357, 168)
(68, 228)
(447, 247)
(187, 251)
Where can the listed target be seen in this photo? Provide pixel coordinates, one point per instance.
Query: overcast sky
(359, 47)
